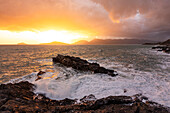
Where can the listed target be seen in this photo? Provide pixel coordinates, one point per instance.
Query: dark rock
(82, 65)
(144, 98)
(125, 90)
(38, 78)
(19, 98)
(164, 46)
(89, 98)
(165, 49)
(167, 42)
(41, 72)
(67, 102)
(38, 75)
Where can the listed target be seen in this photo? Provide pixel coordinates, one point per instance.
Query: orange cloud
(117, 18)
(32, 15)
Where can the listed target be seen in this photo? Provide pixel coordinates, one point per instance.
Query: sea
(140, 69)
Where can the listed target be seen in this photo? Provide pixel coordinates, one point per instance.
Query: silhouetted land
(163, 46)
(167, 42)
(100, 42)
(112, 41)
(22, 43)
(54, 43)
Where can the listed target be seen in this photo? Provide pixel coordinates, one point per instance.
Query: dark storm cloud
(140, 18)
(118, 18)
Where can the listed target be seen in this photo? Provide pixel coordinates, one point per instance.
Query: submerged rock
(82, 65)
(19, 97)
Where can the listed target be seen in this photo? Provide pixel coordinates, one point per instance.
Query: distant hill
(54, 43)
(152, 43)
(22, 43)
(167, 42)
(112, 41)
(81, 42)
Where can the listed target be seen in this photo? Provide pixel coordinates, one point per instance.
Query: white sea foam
(30, 78)
(68, 83)
(78, 86)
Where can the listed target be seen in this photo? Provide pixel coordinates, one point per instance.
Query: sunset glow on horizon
(85, 56)
(38, 37)
(60, 36)
(44, 21)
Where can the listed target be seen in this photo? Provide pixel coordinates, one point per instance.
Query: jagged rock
(82, 65)
(87, 99)
(19, 98)
(41, 72)
(165, 49)
(38, 75)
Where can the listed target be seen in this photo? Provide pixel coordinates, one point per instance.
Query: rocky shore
(82, 65)
(161, 46)
(20, 98)
(165, 49)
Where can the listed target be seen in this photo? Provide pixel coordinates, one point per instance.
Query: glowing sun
(60, 36)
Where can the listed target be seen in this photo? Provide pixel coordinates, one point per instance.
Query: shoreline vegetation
(20, 97)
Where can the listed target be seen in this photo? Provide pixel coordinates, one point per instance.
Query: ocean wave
(68, 83)
(147, 73)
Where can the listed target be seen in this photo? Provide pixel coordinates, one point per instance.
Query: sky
(36, 21)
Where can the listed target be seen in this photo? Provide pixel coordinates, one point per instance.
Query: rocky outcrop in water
(38, 75)
(162, 46)
(165, 49)
(19, 98)
(82, 65)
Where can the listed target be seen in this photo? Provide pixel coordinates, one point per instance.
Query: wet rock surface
(165, 49)
(82, 65)
(38, 75)
(19, 97)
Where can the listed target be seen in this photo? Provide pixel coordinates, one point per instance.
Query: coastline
(19, 97)
(108, 81)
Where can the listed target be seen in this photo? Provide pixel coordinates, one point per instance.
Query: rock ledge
(82, 65)
(19, 97)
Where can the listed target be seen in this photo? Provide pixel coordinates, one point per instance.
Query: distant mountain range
(54, 43)
(100, 42)
(51, 43)
(112, 41)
